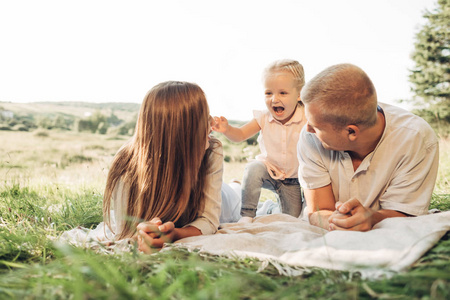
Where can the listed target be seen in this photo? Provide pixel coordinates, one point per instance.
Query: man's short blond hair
(345, 96)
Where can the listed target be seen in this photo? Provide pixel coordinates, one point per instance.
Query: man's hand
(351, 215)
(220, 124)
(336, 215)
(153, 234)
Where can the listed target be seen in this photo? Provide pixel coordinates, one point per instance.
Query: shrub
(20, 127)
(41, 133)
(102, 127)
(74, 159)
(4, 127)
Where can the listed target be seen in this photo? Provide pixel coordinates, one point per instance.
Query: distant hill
(79, 116)
(125, 111)
(113, 117)
(108, 105)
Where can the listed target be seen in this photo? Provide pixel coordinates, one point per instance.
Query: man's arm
(321, 205)
(352, 215)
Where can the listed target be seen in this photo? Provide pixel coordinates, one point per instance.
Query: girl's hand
(153, 234)
(220, 124)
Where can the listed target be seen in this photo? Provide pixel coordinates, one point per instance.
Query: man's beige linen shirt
(399, 174)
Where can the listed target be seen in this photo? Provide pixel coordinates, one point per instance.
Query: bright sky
(115, 51)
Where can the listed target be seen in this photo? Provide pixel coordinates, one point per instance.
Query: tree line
(97, 122)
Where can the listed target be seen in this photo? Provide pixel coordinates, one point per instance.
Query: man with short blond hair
(361, 161)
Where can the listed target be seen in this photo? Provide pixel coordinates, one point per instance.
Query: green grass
(33, 267)
(41, 203)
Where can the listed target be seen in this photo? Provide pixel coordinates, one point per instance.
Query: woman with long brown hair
(165, 183)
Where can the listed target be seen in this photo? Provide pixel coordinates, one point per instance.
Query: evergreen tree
(431, 75)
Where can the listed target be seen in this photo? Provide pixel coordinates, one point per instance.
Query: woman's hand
(153, 234)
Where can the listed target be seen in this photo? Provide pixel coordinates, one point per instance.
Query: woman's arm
(208, 220)
(153, 234)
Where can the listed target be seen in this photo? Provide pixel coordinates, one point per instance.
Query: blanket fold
(391, 246)
(293, 245)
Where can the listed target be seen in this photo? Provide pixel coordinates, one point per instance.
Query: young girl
(276, 168)
(165, 183)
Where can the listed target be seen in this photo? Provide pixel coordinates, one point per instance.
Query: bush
(102, 128)
(41, 133)
(253, 140)
(20, 127)
(74, 159)
(86, 125)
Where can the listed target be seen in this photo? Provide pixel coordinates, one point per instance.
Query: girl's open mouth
(278, 110)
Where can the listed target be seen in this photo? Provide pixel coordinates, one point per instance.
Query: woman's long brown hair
(164, 163)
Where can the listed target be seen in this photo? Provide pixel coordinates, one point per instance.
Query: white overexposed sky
(115, 51)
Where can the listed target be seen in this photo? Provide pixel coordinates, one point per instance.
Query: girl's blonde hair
(287, 65)
(164, 163)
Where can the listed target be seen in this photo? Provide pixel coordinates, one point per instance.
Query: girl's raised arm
(236, 134)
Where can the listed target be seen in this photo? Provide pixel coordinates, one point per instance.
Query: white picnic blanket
(292, 244)
(391, 246)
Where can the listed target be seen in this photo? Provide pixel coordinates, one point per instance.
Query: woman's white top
(207, 221)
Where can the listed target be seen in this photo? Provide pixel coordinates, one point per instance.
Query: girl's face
(282, 95)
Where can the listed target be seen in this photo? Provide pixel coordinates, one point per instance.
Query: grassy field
(53, 181)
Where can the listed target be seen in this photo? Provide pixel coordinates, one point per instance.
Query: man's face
(330, 138)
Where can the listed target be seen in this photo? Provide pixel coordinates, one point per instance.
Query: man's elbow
(320, 218)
